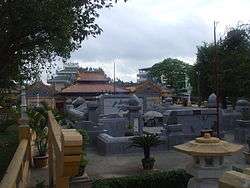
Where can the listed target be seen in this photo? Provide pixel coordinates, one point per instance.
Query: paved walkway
(129, 164)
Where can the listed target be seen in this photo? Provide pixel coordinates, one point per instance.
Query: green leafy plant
(85, 137)
(38, 121)
(130, 126)
(146, 142)
(83, 161)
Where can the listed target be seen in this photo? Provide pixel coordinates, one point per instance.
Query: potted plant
(146, 142)
(38, 121)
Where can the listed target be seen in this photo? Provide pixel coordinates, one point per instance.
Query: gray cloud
(142, 32)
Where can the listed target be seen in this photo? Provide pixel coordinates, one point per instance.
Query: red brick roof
(92, 76)
(93, 88)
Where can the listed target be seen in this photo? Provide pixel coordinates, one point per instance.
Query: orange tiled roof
(92, 76)
(93, 88)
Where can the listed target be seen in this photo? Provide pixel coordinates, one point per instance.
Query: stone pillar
(141, 124)
(92, 107)
(37, 100)
(175, 135)
(68, 104)
(24, 116)
(134, 115)
(212, 101)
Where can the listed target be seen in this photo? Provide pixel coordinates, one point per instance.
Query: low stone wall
(116, 126)
(92, 130)
(229, 118)
(195, 120)
(107, 145)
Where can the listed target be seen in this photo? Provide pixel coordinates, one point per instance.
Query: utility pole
(216, 77)
(114, 79)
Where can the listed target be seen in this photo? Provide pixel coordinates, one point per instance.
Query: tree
(33, 33)
(173, 71)
(202, 74)
(233, 55)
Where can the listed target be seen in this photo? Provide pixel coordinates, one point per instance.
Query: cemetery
(112, 130)
(124, 94)
(111, 117)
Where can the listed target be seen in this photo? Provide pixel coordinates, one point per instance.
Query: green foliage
(85, 136)
(8, 117)
(171, 179)
(146, 142)
(8, 145)
(33, 33)
(233, 55)
(40, 183)
(130, 126)
(83, 161)
(174, 72)
(38, 121)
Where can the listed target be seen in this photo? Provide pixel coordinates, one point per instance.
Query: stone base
(203, 183)
(247, 156)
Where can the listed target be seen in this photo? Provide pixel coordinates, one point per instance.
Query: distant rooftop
(92, 76)
(93, 88)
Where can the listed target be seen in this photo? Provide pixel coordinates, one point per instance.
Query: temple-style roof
(91, 76)
(41, 89)
(149, 85)
(208, 146)
(92, 88)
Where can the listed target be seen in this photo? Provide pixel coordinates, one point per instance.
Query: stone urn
(247, 153)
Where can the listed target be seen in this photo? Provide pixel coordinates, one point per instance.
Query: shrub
(8, 117)
(167, 179)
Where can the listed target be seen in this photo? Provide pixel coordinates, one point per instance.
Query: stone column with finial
(24, 116)
(208, 159)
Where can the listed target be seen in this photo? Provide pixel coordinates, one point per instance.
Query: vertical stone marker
(208, 160)
(24, 116)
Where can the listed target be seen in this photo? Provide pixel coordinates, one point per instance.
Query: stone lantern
(208, 160)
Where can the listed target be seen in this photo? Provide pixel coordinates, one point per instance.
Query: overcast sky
(140, 33)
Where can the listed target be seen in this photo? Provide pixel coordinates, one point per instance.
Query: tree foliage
(34, 32)
(173, 71)
(233, 57)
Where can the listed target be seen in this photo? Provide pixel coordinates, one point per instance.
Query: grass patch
(8, 146)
